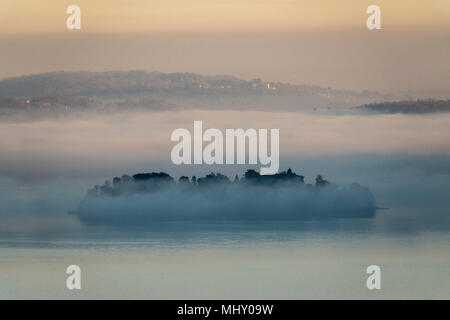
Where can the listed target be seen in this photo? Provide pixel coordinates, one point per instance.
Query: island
(146, 198)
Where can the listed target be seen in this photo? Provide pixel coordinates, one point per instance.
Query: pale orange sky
(48, 16)
(319, 42)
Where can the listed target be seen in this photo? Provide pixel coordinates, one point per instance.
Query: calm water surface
(224, 261)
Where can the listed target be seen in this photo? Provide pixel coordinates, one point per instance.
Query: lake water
(46, 167)
(229, 261)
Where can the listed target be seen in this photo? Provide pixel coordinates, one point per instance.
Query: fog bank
(104, 146)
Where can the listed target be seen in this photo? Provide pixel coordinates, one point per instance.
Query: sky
(48, 16)
(316, 42)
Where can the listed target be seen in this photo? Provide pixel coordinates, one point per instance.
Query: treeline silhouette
(418, 106)
(147, 182)
(152, 197)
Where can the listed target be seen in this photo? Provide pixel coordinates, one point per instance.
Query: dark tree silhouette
(320, 181)
(279, 196)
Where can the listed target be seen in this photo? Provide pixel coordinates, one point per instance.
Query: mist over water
(47, 166)
(111, 145)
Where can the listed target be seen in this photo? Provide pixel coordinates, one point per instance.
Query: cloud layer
(138, 141)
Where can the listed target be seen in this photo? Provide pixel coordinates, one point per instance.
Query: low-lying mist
(47, 166)
(104, 146)
(153, 197)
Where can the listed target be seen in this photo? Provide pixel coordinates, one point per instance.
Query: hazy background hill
(62, 92)
(66, 93)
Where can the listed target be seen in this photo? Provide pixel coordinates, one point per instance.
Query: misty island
(154, 197)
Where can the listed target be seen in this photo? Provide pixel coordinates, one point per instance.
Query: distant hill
(418, 107)
(122, 90)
